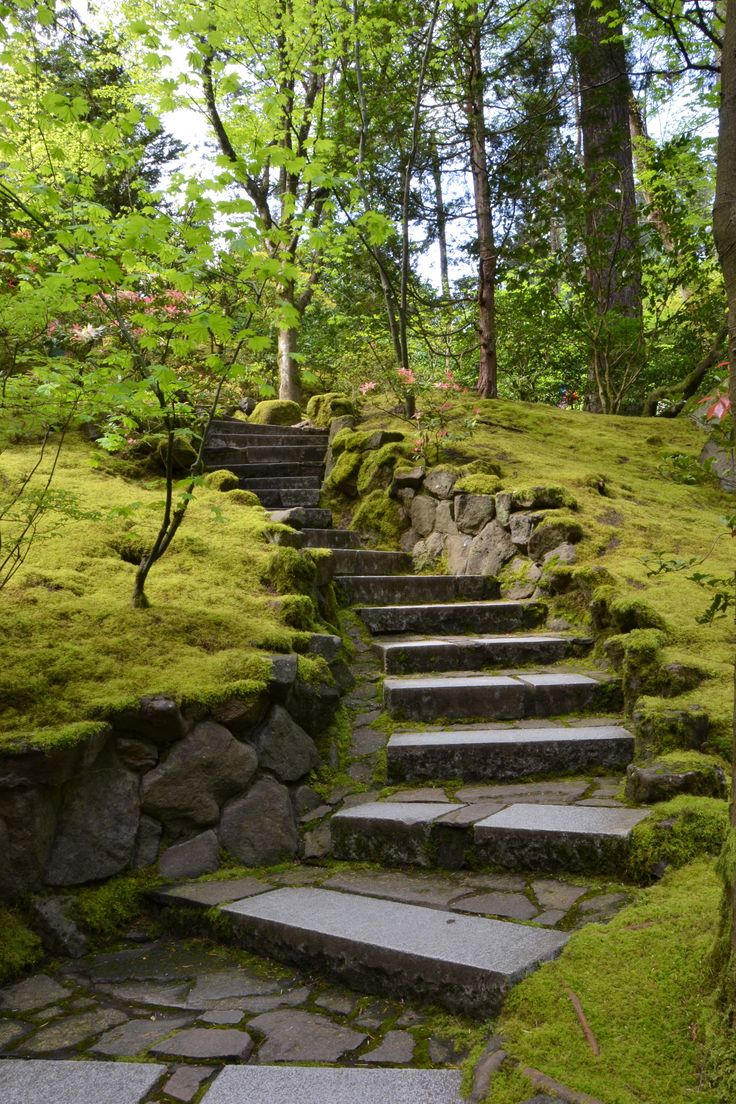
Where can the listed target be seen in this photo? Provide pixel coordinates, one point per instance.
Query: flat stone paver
(34, 992)
(403, 812)
(515, 906)
(40, 1082)
(564, 818)
(211, 893)
(224, 1044)
(224, 984)
(303, 1037)
(137, 1035)
(397, 1049)
(71, 1031)
(162, 994)
(11, 1031)
(167, 960)
(185, 1081)
(425, 793)
(553, 894)
(310, 1085)
(396, 887)
(555, 793)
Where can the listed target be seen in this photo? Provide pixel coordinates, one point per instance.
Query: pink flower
(364, 388)
(442, 432)
(52, 328)
(407, 376)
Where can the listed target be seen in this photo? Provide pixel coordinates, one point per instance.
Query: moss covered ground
(72, 645)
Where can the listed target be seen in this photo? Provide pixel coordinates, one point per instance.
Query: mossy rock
(552, 531)
(611, 609)
(549, 496)
(478, 484)
(378, 467)
(290, 570)
(19, 946)
(660, 726)
(321, 409)
(677, 772)
(297, 611)
(243, 498)
(280, 412)
(482, 467)
(675, 833)
(344, 476)
(222, 481)
(379, 519)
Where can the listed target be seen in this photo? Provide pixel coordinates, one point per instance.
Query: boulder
(422, 512)
(27, 820)
(276, 412)
(551, 533)
(428, 551)
(96, 827)
(440, 482)
(239, 716)
(147, 842)
(564, 554)
(444, 521)
(283, 676)
(408, 539)
(313, 705)
(457, 549)
(473, 511)
(192, 857)
(721, 463)
(521, 527)
(136, 754)
(659, 781)
(52, 919)
(259, 828)
(326, 645)
(406, 479)
(490, 550)
(284, 748)
(157, 719)
(305, 800)
(200, 772)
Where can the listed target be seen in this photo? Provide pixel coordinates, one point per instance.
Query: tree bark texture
(475, 112)
(441, 216)
(613, 261)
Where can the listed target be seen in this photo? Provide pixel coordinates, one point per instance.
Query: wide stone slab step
(557, 837)
(472, 653)
(463, 963)
(285, 498)
(397, 833)
(36, 1081)
(351, 561)
(497, 697)
(380, 590)
(304, 517)
(311, 1085)
(265, 454)
(504, 754)
(235, 425)
(330, 538)
(280, 470)
(250, 439)
(457, 617)
(290, 483)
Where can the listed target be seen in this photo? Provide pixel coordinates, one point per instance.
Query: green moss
(19, 946)
(242, 498)
(675, 833)
(107, 910)
(663, 726)
(321, 409)
(550, 496)
(222, 480)
(478, 484)
(344, 476)
(58, 736)
(482, 467)
(314, 670)
(290, 570)
(639, 979)
(611, 609)
(276, 412)
(378, 467)
(566, 527)
(297, 611)
(379, 518)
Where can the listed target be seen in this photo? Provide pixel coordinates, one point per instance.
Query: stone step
(348, 561)
(304, 517)
(330, 538)
(504, 754)
(472, 653)
(285, 498)
(497, 697)
(235, 425)
(457, 617)
(249, 439)
(325, 1085)
(265, 454)
(380, 590)
(285, 483)
(463, 963)
(278, 471)
(40, 1081)
(544, 837)
(557, 837)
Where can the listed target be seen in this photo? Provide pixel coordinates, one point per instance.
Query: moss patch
(478, 484)
(321, 409)
(276, 412)
(222, 480)
(675, 833)
(19, 946)
(105, 910)
(639, 979)
(379, 517)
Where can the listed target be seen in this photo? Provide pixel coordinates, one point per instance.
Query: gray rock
(259, 828)
(96, 827)
(72, 1030)
(513, 905)
(504, 505)
(185, 1081)
(661, 781)
(207, 894)
(396, 1048)
(74, 1082)
(285, 748)
(550, 536)
(721, 464)
(207, 1042)
(457, 549)
(147, 842)
(129, 1039)
(326, 645)
(552, 894)
(340, 1004)
(283, 676)
(156, 718)
(136, 753)
(408, 479)
(305, 799)
(521, 527)
(240, 717)
(408, 539)
(344, 421)
(27, 821)
(200, 772)
(318, 842)
(192, 857)
(444, 521)
(278, 1000)
(428, 551)
(490, 550)
(32, 993)
(313, 705)
(211, 990)
(10, 1032)
(422, 512)
(59, 933)
(303, 1037)
(223, 1017)
(564, 554)
(440, 482)
(473, 511)
(314, 1085)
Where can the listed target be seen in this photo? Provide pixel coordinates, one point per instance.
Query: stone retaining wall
(169, 785)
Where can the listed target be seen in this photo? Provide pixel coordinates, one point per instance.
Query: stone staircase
(499, 700)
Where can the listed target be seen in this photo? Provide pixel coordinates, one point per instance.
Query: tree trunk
(613, 261)
(441, 216)
(475, 111)
(288, 371)
(724, 229)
